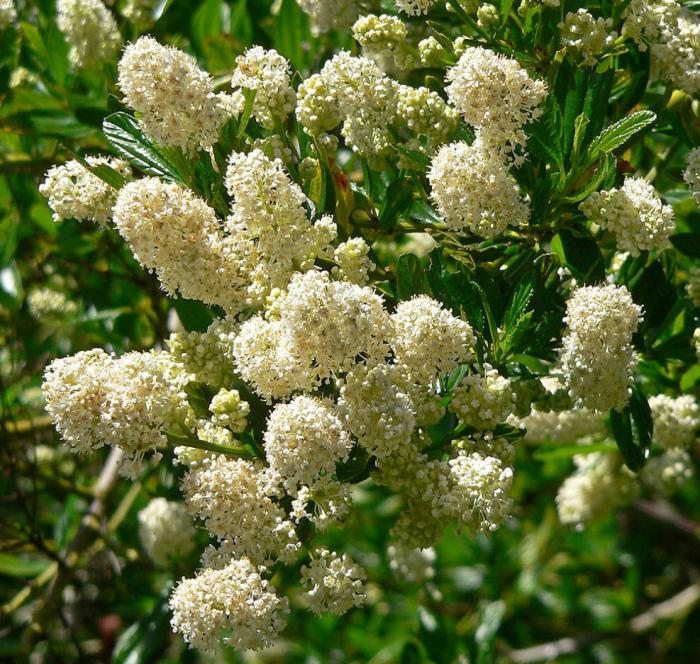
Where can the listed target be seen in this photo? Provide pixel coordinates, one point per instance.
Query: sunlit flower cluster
(90, 30)
(586, 34)
(165, 530)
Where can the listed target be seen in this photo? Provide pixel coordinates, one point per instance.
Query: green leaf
(633, 429)
(21, 566)
(396, 203)
(105, 173)
(199, 396)
(546, 134)
(581, 255)
(125, 136)
(410, 277)
(558, 451)
(194, 316)
(620, 132)
(207, 21)
(687, 243)
(292, 33)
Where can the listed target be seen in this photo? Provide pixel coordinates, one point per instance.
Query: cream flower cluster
(8, 13)
(673, 32)
(353, 91)
(165, 530)
(483, 401)
(634, 214)
(175, 99)
(353, 261)
(327, 15)
(95, 399)
(495, 95)
(383, 37)
(692, 173)
(303, 441)
(175, 234)
(269, 76)
(140, 12)
(234, 600)
(334, 583)
(474, 190)
(232, 497)
(587, 35)
(414, 7)
(597, 357)
(412, 565)
(600, 486)
(676, 420)
(281, 354)
(565, 426)
(268, 226)
(73, 192)
(90, 30)
(45, 303)
(669, 471)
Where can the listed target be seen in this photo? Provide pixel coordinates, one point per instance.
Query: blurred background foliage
(625, 589)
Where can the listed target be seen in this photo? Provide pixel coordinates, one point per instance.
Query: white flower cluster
(74, 192)
(327, 15)
(412, 565)
(474, 190)
(43, 303)
(597, 357)
(353, 261)
(673, 32)
(232, 497)
(140, 12)
(353, 91)
(234, 600)
(414, 7)
(692, 173)
(165, 530)
(587, 35)
(268, 226)
(334, 583)
(383, 37)
(669, 471)
(95, 399)
(281, 354)
(175, 234)
(175, 99)
(8, 13)
(483, 401)
(634, 214)
(303, 441)
(90, 30)
(565, 427)
(495, 95)
(600, 485)
(269, 76)
(229, 410)
(676, 420)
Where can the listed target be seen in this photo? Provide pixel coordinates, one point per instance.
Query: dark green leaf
(687, 243)
(194, 316)
(620, 132)
(410, 277)
(581, 255)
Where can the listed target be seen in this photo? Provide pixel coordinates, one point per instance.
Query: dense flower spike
(175, 99)
(73, 192)
(327, 15)
(8, 13)
(177, 235)
(414, 7)
(427, 339)
(474, 191)
(634, 214)
(234, 603)
(599, 486)
(483, 401)
(692, 173)
(334, 583)
(268, 75)
(383, 37)
(495, 95)
(90, 30)
(165, 530)
(675, 420)
(668, 472)
(303, 441)
(597, 357)
(231, 497)
(566, 426)
(588, 35)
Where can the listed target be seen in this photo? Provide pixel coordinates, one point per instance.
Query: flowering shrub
(392, 261)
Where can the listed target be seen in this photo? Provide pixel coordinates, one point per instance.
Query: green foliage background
(530, 583)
